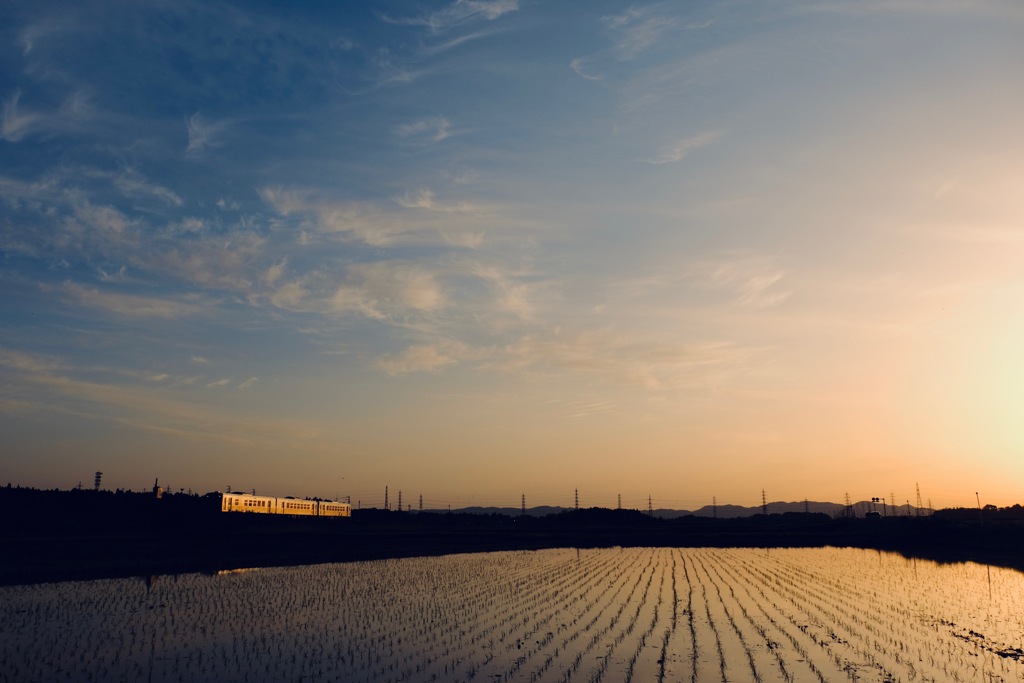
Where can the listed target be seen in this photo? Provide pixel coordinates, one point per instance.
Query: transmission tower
(421, 502)
(650, 507)
(918, 511)
(714, 507)
(524, 505)
(764, 503)
(620, 502)
(399, 500)
(387, 505)
(577, 499)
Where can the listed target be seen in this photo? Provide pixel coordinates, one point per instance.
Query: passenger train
(246, 502)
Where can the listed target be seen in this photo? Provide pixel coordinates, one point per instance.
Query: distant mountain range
(859, 509)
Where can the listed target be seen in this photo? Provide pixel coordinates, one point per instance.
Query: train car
(246, 502)
(268, 505)
(296, 506)
(330, 508)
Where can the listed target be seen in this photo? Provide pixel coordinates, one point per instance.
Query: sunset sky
(476, 250)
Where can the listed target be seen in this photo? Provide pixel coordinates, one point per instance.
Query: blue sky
(473, 250)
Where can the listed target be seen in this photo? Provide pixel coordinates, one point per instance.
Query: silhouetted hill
(858, 509)
(539, 511)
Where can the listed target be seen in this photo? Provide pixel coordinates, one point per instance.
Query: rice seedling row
(638, 614)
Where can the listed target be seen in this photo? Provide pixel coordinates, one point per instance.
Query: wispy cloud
(600, 356)
(232, 261)
(442, 31)
(415, 218)
(132, 184)
(385, 289)
(753, 281)
(113, 238)
(998, 8)
(427, 200)
(678, 150)
(15, 192)
(638, 29)
(434, 129)
(420, 358)
(48, 387)
(456, 42)
(577, 409)
(512, 296)
(27, 362)
(460, 13)
(133, 305)
(16, 122)
(579, 65)
(382, 290)
(628, 360)
(203, 134)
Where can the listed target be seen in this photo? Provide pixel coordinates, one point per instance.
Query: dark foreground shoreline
(136, 535)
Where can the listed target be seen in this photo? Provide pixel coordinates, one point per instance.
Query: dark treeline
(82, 534)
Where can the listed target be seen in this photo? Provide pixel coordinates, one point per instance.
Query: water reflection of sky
(617, 614)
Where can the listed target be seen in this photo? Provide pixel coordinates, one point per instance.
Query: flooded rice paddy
(619, 614)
